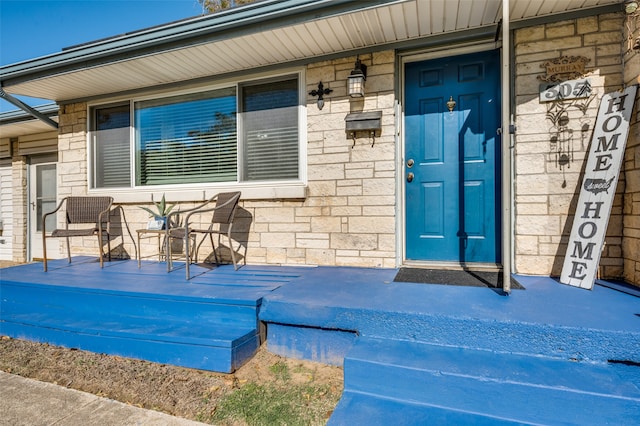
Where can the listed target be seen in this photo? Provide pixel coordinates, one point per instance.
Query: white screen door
(42, 199)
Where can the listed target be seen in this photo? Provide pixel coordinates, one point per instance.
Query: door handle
(409, 177)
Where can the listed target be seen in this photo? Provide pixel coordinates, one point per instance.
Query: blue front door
(452, 158)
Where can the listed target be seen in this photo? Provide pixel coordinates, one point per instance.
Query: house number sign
(598, 189)
(567, 90)
(563, 68)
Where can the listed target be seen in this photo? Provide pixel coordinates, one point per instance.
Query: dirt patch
(192, 394)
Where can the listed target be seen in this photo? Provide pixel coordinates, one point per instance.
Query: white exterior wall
(6, 210)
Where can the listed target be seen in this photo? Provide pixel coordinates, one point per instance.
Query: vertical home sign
(598, 189)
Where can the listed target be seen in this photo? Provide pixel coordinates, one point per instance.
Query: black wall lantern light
(355, 81)
(320, 94)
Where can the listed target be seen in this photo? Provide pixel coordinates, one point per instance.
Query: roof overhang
(19, 123)
(267, 34)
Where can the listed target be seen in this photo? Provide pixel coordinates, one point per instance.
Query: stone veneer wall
(545, 193)
(631, 166)
(20, 208)
(72, 167)
(348, 216)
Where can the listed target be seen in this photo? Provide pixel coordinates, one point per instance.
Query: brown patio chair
(223, 213)
(81, 211)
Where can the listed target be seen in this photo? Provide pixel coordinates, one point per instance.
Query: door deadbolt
(410, 163)
(409, 177)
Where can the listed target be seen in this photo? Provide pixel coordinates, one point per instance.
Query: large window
(243, 133)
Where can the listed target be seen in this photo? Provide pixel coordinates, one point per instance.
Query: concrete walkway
(30, 402)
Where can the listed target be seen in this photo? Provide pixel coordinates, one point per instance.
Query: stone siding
(20, 213)
(348, 216)
(631, 166)
(546, 187)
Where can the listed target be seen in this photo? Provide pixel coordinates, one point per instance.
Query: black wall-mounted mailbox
(370, 122)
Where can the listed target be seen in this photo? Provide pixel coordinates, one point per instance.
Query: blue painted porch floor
(412, 353)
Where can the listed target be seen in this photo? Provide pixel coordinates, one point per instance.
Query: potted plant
(160, 215)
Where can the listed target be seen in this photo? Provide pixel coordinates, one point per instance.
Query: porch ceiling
(266, 34)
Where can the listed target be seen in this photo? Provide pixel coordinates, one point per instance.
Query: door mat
(491, 280)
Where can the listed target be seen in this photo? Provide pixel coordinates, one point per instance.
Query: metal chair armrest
(44, 216)
(106, 212)
(210, 209)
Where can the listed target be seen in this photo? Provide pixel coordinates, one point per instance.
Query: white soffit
(24, 128)
(347, 33)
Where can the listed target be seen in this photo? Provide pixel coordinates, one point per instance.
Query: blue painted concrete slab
(547, 319)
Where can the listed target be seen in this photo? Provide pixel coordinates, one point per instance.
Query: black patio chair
(223, 207)
(80, 211)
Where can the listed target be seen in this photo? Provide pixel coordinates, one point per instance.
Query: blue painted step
(98, 305)
(363, 409)
(546, 319)
(204, 324)
(498, 386)
(215, 354)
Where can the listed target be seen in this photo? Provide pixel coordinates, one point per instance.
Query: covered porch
(411, 352)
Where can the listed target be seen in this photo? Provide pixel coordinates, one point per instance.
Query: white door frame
(405, 58)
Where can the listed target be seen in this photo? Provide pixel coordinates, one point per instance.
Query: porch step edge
(136, 328)
(207, 353)
(357, 408)
(522, 388)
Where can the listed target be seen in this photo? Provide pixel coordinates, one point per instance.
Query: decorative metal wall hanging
(564, 133)
(566, 89)
(563, 68)
(320, 94)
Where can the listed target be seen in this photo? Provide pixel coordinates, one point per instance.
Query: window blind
(270, 130)
(112, 148)
(271, 152)
(187, 139)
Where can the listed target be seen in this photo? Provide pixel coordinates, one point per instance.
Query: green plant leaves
(162, 209)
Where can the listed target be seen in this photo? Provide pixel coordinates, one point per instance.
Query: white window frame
(202, 191)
